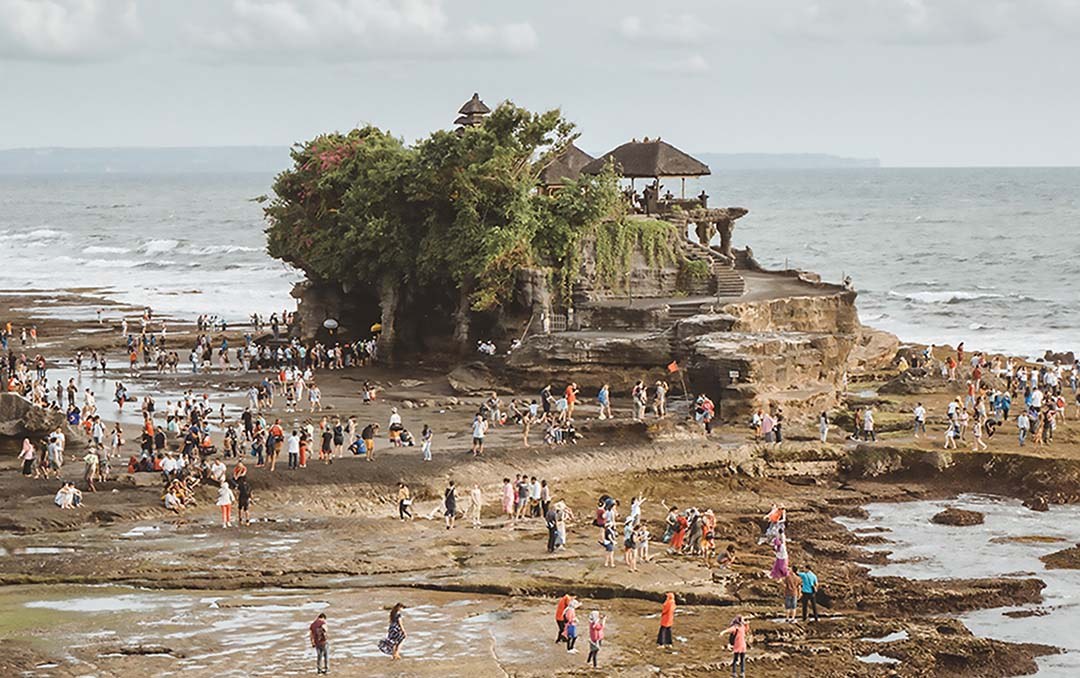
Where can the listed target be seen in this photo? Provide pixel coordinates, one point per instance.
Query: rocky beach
(121, 586)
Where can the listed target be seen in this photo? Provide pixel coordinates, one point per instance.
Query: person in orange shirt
(571, 398)
(667, 620)
(560, 616)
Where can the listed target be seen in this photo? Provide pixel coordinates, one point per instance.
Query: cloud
(694, 64)
(66, 29)
(921, 21)
(671, 30)
(354, 29)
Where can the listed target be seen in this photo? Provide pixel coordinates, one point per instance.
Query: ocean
(986, 256)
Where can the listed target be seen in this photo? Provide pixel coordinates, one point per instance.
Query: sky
(912, 82)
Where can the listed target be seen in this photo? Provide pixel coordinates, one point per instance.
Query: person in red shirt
(571, 398)
(667, 620)
(560, 616)
(318, 641)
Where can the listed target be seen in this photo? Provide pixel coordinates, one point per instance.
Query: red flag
(673, 366)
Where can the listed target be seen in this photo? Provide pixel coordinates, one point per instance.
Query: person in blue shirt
(809, 591)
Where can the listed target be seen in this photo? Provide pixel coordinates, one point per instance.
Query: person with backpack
(739, 639)
(318, 641)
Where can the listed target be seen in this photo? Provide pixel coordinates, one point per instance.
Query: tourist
(560, 615)
(551, 522)
(780, 564)
(27, 456)
(570, 628)
(608, 542)
(476, 502)
(823, 427)
(508, 501)
(660, 399)
(640, 397)
(425, 438)
(368, 436)
(977, 443)
(1023, 426)
(920, 420)
(728, 557)
(603, 399)
(404, 502)
(739, 634)
(952, 433)
(809, 591)
(479, 429)
(450, 504)
(571, 395)
(225, 500)
(597, 622)
(90, 471)
(791, 586)
(629, 545)
(317, 633)
(868, 424)
(395, 635)
(562, 514)
(667, 620)
(243, 495)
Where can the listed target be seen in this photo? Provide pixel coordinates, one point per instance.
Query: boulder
(1066, 358)
(958, 517)
(915, 381)
(473, 378)
(874, 350)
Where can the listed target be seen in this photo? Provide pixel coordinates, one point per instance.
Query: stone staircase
(725, 280)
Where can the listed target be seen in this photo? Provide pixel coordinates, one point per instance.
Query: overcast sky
(913, 82)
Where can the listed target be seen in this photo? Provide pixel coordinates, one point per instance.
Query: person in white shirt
(920, 419)
(479, 428)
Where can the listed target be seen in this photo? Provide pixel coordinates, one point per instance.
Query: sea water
(986, 256)
(920, 549)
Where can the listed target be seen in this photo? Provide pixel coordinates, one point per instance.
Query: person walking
(791, 585)
(404, 502)
(570, 630)
(317, 631)
(920, 420)
(560, 616)
(667, 620)
(739, 635)
(395, 634)
(809, 591)
(597, 622)
(450, 504)
(225, 501)
(476, 503)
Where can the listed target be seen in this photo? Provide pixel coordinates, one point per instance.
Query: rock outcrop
(19, 417)
(957, 517)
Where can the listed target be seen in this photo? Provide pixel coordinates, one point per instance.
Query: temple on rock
(679, 295)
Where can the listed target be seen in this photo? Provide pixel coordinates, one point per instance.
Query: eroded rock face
(833, 313)
(19, 417)
(958, 517)
(474, 378)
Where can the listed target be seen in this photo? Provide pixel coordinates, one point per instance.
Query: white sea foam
(944, 297)
(224, 249)
(105, 249)
(160, 245)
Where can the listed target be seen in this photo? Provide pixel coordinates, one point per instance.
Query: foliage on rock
(458, 210)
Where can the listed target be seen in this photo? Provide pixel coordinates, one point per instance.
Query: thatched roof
(474, 105)
(636, 159)
(566, 167)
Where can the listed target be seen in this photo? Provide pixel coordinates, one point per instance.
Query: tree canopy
(458, 210)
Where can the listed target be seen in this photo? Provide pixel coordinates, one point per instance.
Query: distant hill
(726, 161)
(268, 159)
(273, 159)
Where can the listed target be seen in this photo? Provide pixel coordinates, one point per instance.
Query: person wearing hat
(597, 622)
(739, 639)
